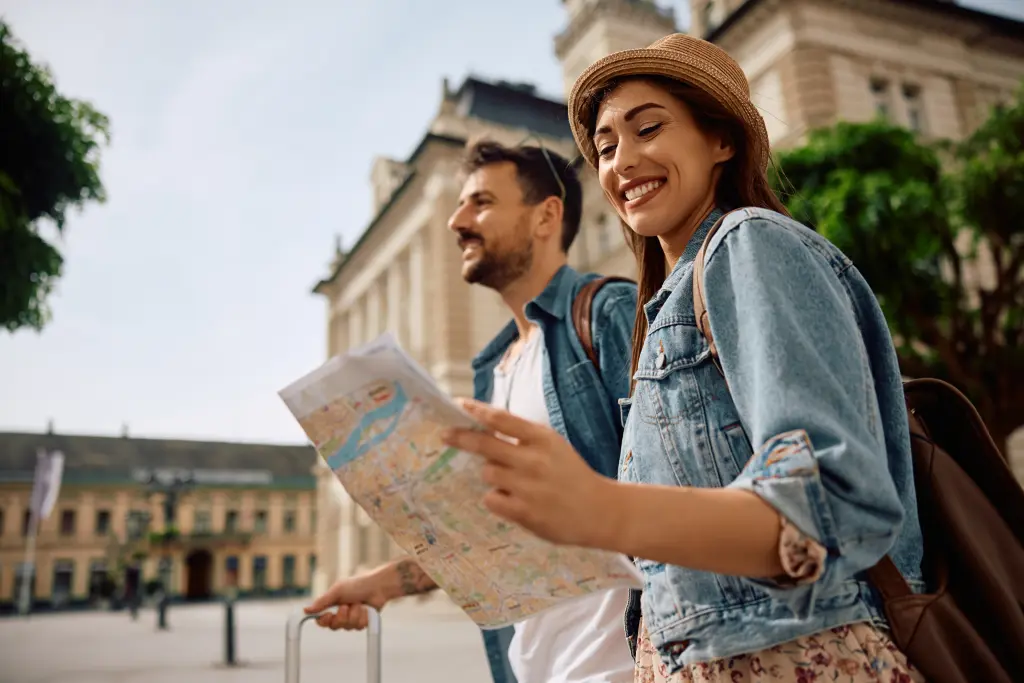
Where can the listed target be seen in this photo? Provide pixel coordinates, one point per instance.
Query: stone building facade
(927, 64)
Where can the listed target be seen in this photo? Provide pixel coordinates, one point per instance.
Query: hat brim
(697, 73)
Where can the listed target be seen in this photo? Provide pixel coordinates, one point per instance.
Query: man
(518, 214)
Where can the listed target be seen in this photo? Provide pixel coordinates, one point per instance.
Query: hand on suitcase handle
(375, 588)
(346, 617)
(352, 596)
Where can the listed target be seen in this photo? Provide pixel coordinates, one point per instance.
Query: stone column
(395, 305)
(416, 286)
(337, 339)
(328, 530)
(355, 323)
(351, 556)
(374, 312)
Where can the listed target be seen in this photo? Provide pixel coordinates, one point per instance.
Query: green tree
(49, 162)
(937, 230)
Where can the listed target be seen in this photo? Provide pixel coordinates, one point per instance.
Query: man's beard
(509, 259)
(498, 271)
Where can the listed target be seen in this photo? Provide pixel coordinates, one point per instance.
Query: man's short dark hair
(536, 178)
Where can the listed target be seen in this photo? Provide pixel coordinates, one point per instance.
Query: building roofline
(150, 439)
(120, 460)
(392, 200)
(996, 22)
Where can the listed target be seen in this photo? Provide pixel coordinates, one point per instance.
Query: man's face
(494, 227)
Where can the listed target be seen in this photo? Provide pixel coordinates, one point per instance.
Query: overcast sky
(243, 134)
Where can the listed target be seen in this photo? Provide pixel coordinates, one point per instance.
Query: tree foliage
(937, 229)
(49, 162)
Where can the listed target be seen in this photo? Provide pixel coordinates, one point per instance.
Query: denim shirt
(809, 415)
(582, 404)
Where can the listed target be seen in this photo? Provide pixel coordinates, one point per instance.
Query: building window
(312, 566)
(289, 521)
(202, 522)
(63, 580)
(26, 522)
(914, 106)
(288, 571)
(312, 521)
(880, 93)
(102, 522)
(259, 573)
(97, 579)
(136, 522)
(1, 522)
(259, 525)
(231, 521)
(67, 523)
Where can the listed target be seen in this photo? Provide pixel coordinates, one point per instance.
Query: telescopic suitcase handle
(293, 634)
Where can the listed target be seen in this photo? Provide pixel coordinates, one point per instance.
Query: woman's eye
(606, 150)
(648, 130)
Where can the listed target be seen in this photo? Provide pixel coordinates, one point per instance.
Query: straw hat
(684, 58)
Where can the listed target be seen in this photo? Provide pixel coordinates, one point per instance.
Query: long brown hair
(742, 183)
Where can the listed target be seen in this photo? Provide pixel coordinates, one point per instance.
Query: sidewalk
(427, 642)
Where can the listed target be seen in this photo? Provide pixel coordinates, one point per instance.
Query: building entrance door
(199, 577)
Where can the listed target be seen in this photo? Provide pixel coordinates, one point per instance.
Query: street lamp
(172, 484)
(138, 523)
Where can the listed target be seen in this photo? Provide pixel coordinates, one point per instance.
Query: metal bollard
(229, 632)
(161, 612)
(293, 633)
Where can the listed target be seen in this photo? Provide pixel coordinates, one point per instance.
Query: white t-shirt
(581, 641)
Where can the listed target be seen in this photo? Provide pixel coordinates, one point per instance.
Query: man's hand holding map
(376, 418)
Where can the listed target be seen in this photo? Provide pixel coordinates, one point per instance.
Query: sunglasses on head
(533, 137)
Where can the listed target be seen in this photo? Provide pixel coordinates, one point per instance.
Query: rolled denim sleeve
(613, 315)
(796, 366)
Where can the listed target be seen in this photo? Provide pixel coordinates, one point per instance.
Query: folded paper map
(376, 417)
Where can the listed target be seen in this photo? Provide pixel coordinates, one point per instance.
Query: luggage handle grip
(293, 636)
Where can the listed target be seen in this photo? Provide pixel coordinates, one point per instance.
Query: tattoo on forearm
(412, 579)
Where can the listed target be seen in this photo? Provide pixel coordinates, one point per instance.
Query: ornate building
(245, 517)
(930, 65)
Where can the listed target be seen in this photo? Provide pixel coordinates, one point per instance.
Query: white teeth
(640, 190)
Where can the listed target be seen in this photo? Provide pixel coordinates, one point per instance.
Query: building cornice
(953, 17)
(429, 138)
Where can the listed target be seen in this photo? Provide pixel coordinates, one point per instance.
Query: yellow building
(248, 514)
(931, 65)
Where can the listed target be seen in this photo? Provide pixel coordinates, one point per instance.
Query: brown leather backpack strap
(888, 580)
(700, 307)
(582, 307)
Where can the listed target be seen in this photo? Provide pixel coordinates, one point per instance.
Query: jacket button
(662, 360)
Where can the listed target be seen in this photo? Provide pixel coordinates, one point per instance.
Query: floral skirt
(849, 654)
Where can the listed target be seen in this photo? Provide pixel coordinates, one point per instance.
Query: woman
(754, 495)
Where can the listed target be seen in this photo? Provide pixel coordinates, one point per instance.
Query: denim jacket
(582, 405)
(809, 416)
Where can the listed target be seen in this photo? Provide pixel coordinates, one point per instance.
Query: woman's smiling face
(656, 165)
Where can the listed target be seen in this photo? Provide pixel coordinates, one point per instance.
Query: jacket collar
(689, 255)
(553, 301)
(683, 267)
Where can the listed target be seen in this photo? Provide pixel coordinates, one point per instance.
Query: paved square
(425, 644)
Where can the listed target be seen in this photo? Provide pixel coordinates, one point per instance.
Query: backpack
(970, 627)
(582, 307)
